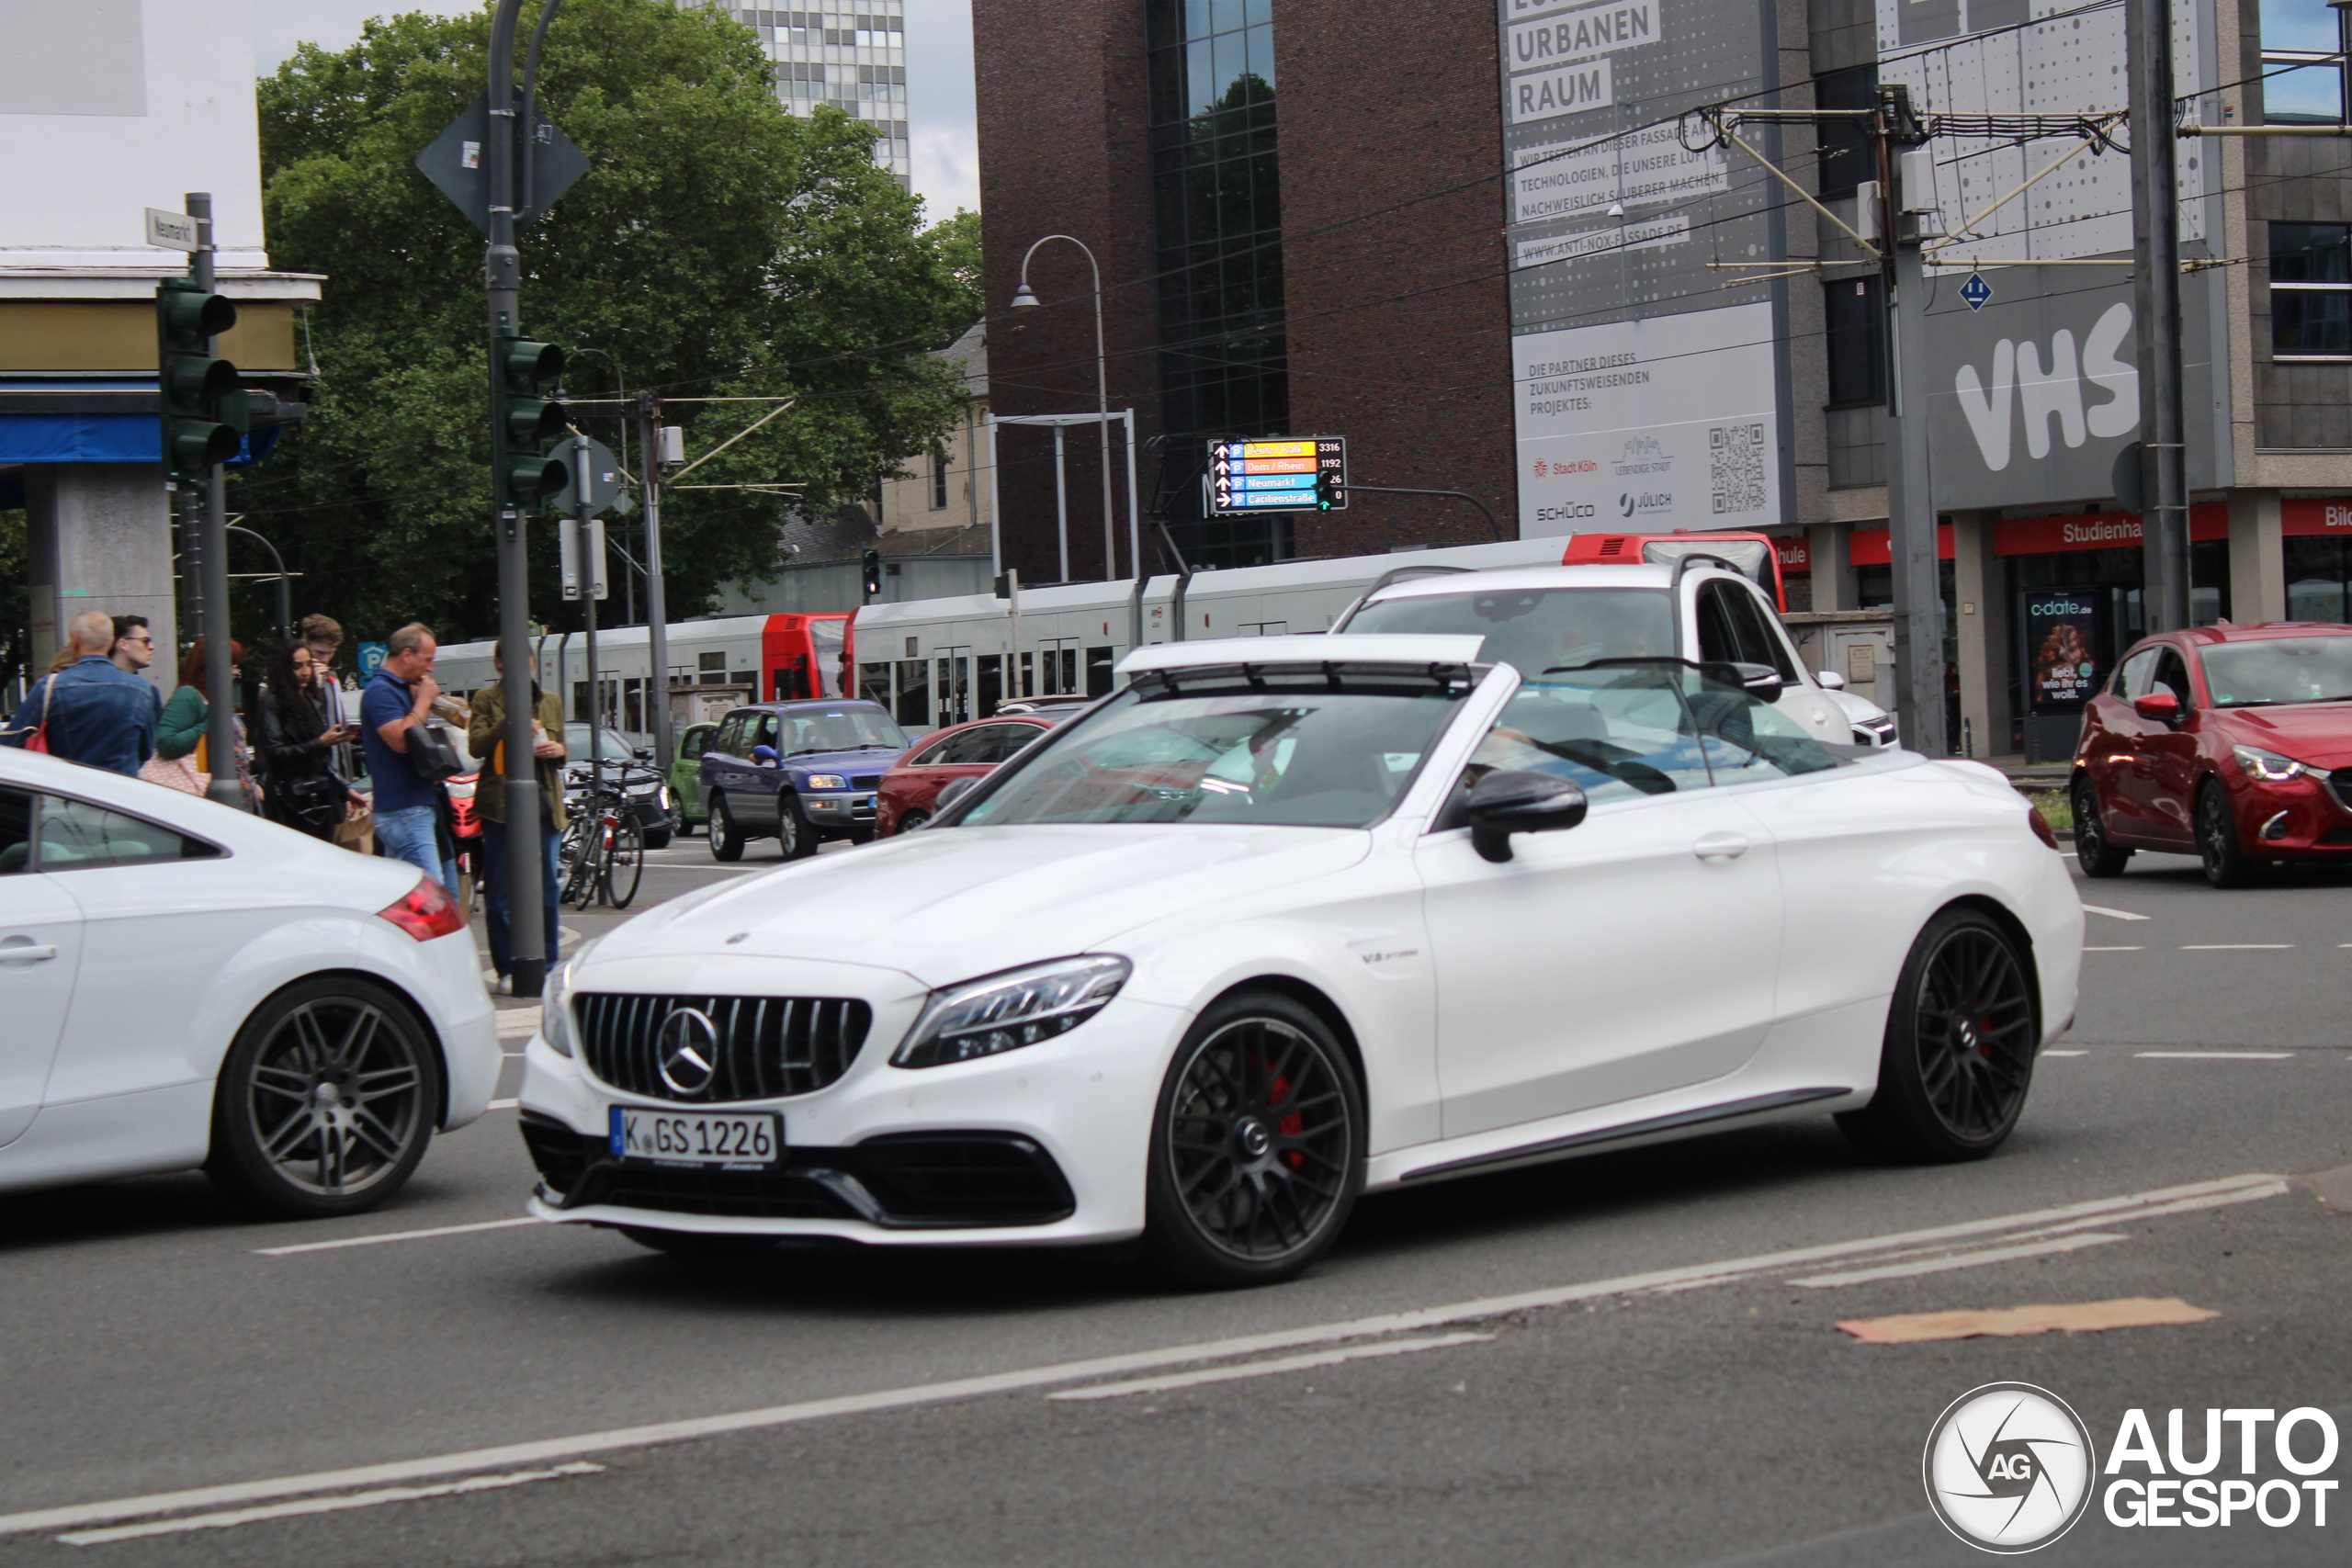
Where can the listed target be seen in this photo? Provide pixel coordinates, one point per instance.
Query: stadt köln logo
(2009, 1467)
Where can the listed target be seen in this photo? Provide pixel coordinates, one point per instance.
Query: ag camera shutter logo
(2009, 1468)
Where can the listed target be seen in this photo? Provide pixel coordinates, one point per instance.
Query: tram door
(953, 688)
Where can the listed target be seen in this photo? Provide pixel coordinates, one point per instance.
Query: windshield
(1285, 749)
(807, 731)
(1537, 628)
(612, 745)
(2280, 669)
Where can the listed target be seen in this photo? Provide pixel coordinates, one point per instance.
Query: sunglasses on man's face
(148, 640)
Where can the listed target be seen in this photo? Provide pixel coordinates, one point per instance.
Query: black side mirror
(1758, 680)
(1507, 803)
(952, 791)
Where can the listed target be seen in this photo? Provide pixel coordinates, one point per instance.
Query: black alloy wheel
(2226, 863)
(792, 834)
(1961, 1039)
(327, 1100)
(2097, 854)
(1257, 1149)
(725, 842)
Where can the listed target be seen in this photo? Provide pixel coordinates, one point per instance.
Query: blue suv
(799, 773)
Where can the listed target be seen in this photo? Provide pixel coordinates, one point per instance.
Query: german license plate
(736, 1140)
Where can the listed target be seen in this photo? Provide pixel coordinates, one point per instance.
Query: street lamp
(1024, 298)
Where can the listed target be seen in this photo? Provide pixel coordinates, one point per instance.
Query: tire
(2097, 854)
(702, 1245)
(793, 836)
(1961, 1039)
(913, 820)
(726, 843)
(626, 866)
(1242, 1189)
(325, 1101)
(658, 838)
(2226, 863)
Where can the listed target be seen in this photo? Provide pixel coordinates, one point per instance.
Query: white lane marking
(2111, 913)
(396, 1235)
(1959, 1260)
(543, 1449)
(2115, 950)
(2235, 946)
(1267, 1368)
(2179, 1206)
(501, 1105)
(519, 1022)
(2217, 1055)
(2065, 1052)
(227, 1520)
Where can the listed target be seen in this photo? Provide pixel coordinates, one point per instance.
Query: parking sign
(371, 658)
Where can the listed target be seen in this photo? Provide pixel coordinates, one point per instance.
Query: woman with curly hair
(297, 747)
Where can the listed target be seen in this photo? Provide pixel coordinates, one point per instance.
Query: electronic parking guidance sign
(1306, 473)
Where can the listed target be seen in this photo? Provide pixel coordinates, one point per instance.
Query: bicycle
(602, 855)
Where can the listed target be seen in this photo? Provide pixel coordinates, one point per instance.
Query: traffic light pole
(210, 531)
(503, 274)
(656, 602)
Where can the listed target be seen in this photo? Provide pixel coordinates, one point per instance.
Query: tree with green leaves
(718, 249)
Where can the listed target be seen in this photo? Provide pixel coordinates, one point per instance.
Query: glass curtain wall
(1218, 206)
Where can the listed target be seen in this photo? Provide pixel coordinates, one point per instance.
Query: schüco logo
(1567, 514)
(2009, 1468)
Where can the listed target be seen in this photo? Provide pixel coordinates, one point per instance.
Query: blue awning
(103, 438)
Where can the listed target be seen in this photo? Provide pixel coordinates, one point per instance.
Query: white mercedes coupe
(1293, 918)
(183, 985)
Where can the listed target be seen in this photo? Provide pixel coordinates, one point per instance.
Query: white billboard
(1663, 423)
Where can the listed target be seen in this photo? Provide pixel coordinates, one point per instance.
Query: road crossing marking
(395, 1236)
(1959, 1260)
(1267, 1368)
(2217, 1055)
(2065, 1052)
(233, 1518)
(2115, 950)
(2235, 946)
(2221, 1191)
(2111, 913)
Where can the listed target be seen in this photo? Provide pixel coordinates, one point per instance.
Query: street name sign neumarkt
(171, 230)
(1279, 474)
(547, 168)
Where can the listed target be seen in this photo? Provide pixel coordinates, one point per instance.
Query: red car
(963, 751)
(2233, 744)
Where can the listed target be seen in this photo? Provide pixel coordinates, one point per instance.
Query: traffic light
(1326, 491)
(527, 419)
(205, 414)
(873, 573)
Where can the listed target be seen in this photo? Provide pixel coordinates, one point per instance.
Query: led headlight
(2270, 766)
(555, 1009)
(827, 780)
(1006, 1011)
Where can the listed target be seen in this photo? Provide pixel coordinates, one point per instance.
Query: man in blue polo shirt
(407, 807)
(99, 714)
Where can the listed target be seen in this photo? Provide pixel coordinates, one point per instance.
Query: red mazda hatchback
(911, 787)
(2233, 744)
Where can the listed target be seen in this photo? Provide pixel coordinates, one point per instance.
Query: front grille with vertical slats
(769, 1047)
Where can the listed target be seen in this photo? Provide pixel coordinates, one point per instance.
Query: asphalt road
(1604, 1361)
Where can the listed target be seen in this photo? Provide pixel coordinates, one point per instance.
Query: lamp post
(1022, 298)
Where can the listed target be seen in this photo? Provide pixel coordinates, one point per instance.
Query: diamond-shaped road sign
(455, 162)
(1975, 291)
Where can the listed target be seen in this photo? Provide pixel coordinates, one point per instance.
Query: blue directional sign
(1975, 291)
(1280, 473)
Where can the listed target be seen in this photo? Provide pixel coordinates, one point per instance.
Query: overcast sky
(939, 77)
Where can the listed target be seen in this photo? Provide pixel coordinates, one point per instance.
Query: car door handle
(26, 953)
(1720, 846)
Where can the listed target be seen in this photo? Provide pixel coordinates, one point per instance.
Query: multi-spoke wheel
(624, 865)
(793, 836)
(726, 838)
(2097, 854)
(1961, 1038)
(2226, 863)
(327, 1100)
(1257, 1150)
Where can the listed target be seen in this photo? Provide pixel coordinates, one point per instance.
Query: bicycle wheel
(577, 861)
(624, 864)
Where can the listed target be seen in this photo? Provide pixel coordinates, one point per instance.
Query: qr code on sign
(1736, 463)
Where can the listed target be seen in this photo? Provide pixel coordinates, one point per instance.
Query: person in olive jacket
(485, 738)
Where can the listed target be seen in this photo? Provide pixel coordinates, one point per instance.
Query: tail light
(427, 912)
(2041, 826)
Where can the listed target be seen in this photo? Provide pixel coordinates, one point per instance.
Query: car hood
(948, 904)
(2317, 733)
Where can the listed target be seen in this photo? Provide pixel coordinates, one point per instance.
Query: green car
(685, 775)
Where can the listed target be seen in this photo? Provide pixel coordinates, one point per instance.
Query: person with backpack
(486, 737)
(411, 809)
(90, 711)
